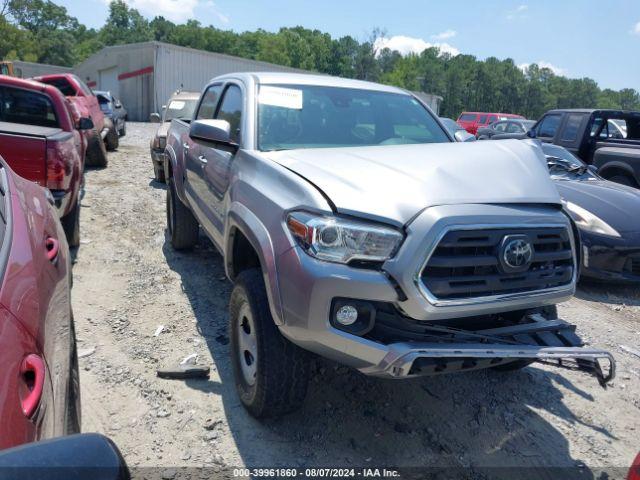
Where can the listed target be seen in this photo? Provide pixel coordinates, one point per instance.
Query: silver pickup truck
(356, 228)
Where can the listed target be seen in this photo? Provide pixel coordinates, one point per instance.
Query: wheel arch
(609, 169)
(245, 230)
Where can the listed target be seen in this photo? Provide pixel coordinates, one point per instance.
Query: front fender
(625, 167)
(240, 218)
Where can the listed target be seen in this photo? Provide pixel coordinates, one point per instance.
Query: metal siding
(135, 92)
(30, 69)
(189, 69)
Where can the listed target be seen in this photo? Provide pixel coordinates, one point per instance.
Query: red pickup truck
(87, 103)
(41, 142)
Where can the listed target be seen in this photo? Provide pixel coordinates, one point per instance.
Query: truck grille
(633, 265)
(467, 264)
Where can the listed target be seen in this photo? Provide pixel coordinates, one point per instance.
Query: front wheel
(271, 373)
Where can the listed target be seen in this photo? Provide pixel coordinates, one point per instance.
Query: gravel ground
(128, 282)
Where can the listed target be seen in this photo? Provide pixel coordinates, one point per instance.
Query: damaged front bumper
(552, 342)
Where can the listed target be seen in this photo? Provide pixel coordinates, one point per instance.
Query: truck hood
(396, 182)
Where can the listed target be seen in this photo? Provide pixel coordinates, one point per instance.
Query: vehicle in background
(608, 139)
(41, 142)
(40, 394)
(471, 121)
(600, 208)
(180, 106)
(634, 471)
(6, 68)
(79, 93)
(513, 126)
(88, 456)
(355, 227)
(113, 109)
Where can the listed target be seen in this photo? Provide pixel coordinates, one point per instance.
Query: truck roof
(285, 78)
(25, 84)
(593, 110)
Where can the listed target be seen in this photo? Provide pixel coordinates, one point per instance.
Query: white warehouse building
(144, 75)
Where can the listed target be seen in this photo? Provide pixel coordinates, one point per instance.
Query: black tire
(123, 130)
(549, 312)
(182, 225)
(96, 152)
(71, 225)
(624, 180)
(158, 174)
(281, 368)
(73, 419)
(112, 141)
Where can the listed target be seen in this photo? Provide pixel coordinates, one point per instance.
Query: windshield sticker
(281, 97)
(176, 105)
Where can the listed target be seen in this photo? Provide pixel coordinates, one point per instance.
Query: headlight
(590, 222)
(339, 240)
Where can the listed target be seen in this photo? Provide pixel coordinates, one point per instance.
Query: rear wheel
(182, 225)
(112, 140)
(158, 174)
(271, 373)
(71, 225)
(96, 151)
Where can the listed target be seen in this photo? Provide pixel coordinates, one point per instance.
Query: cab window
(549, 126)
(231, 110)
(570, 132)
(26, 107)
(209, 102)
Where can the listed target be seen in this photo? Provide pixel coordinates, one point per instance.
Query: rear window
(63, 85)
(26, 107)
(467, 117)
(483, 119)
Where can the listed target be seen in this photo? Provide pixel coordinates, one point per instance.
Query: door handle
(52, 246)
(32, 372)
(203, 160)
(186, 146)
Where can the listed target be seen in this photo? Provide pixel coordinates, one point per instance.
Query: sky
(599, 39)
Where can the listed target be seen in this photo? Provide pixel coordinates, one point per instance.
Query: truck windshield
(305, 116)
(180, 109)
(26, 107)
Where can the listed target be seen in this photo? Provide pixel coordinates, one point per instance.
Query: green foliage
(40, 30)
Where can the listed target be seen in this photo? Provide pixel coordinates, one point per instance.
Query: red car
(39, 383)
(471, 121)
(87, 104)
(41, 142)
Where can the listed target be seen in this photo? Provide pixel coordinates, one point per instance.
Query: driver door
(217, 162)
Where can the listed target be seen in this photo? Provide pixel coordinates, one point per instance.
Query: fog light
(347, 315)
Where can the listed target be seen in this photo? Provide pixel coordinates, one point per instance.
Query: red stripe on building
(135, 73)
(92, 84)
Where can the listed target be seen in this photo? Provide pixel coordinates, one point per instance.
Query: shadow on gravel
(157, 185)
(616, 293)
(486, 423)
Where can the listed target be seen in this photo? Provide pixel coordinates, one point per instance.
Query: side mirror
(464, 136)
(75, 457)
(213, 133)
(85, 123)
(531, 133)
(155, 118)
